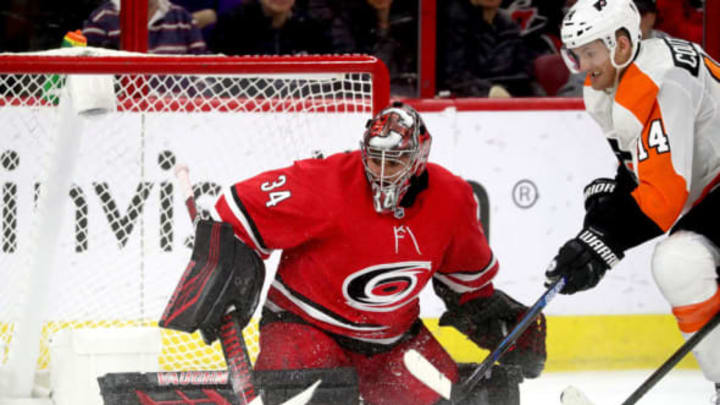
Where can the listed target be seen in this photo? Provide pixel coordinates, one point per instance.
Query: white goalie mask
(590, 20)
(394, 149)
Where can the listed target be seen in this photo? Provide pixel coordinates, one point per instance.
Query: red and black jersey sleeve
(469, 265)
(278, 209)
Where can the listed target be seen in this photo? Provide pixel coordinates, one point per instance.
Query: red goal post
(92, 231)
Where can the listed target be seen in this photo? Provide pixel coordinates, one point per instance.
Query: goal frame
(180, 65)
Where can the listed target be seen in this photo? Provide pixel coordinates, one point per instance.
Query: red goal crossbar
(135, 64)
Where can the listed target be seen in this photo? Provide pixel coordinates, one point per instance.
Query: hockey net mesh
(124, 236)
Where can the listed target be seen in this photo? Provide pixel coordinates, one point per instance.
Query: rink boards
(532, 165)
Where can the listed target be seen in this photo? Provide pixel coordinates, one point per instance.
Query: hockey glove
(487, 320)
(597, 192)
(583, 261)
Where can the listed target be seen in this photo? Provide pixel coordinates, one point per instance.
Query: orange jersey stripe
(637, 92)
(692, 317)
(713, 67)
(662, 192)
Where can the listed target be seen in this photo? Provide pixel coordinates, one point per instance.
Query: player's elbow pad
(223, 273)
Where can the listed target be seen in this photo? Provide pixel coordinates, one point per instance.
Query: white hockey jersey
(663, 121)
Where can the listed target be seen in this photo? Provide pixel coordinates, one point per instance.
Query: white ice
(679, 387)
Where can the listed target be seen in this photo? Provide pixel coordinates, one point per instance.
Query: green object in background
(53, 83)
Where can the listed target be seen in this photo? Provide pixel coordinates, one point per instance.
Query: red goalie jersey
(346, 268)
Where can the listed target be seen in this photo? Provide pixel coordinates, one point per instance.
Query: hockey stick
(231, 338)
(424, 371)
(573, 396)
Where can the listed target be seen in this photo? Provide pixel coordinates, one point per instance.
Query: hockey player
(362, 233)
(657, 103)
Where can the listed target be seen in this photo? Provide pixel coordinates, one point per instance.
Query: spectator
(648, 18)
(34, 25)
(539, 22)
(681, 18)
(480, 47)
(170, 28)
(387, 29)
(269, 27)
(203, 12)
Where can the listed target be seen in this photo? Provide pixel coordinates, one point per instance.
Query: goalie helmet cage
(92, 227)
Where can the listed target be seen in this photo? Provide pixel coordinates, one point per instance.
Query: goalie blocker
(223, 273)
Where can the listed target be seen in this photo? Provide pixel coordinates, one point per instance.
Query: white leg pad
(707, 354)
(684, 268)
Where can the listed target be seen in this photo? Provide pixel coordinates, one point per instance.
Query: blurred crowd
(485, 48)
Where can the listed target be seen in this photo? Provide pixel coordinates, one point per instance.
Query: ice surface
(679, 387)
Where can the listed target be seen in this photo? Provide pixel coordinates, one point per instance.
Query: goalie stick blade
(573, 396)
(299, 399)
(427, 373)
(303, 397)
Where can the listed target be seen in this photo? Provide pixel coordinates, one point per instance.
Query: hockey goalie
(361, 234)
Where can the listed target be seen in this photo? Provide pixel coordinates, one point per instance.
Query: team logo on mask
(385, 287)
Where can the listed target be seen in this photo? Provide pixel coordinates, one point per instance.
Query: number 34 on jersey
(275, 196)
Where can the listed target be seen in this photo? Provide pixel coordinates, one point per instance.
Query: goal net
(93, 230)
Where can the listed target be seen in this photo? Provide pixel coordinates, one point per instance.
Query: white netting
(122, 242)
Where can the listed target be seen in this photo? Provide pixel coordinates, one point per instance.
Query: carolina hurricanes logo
(384, 287)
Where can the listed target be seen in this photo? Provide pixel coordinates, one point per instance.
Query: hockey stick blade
(426, 372)
(573, 396)
(300, 399)
(305, 396)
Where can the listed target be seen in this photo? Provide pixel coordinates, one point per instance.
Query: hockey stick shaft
(464, 388)
(231, 338)
(671, 362)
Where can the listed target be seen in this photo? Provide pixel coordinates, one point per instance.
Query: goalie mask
(394, 149)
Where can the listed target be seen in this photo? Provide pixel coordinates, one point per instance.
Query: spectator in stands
(539, 22)
(681, 19)
(387, 29)
(203, 12)
(269, 27)
(33, 25)
(480, 48)
(170, 28)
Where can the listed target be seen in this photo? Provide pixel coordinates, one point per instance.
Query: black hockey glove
(583, 261)
(486, 321)
(597, 192)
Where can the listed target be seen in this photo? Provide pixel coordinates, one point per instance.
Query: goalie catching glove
(583, 262)
(487, 320)
(223, 273)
